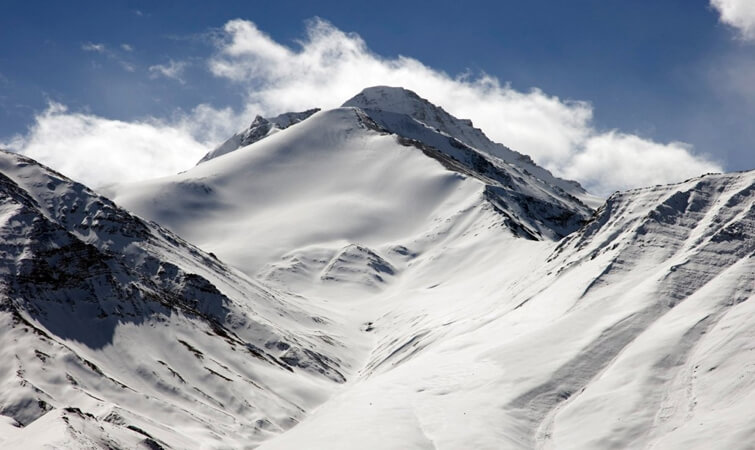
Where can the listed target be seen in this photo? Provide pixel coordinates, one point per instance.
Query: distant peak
(259, 129)
(389, 91)
(285, 120)
(258, 120)
(387, 98)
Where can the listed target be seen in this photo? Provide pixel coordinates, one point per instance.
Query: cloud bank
(739, 14)
(99, 151)
(329, 66)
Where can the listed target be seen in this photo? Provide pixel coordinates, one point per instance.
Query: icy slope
(116, 333)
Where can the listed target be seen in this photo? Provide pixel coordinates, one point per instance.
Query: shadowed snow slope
(382, 276)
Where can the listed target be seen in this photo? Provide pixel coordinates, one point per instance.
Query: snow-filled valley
(379, 275)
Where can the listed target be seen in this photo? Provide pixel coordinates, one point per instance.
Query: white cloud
(330, 66)
(614, 160)
(174, 70)
(98, 151)
(127, 47)
(327, 68)
(92, 47)
(739, 14)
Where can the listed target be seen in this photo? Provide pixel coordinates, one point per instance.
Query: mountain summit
(312, 151)
(397, 100)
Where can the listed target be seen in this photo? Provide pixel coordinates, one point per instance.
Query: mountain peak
(384, 103)
(260, 128)
(384, 98)
(404, 101)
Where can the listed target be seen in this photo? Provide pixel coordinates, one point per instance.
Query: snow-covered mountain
(351, 176)
(381, 275)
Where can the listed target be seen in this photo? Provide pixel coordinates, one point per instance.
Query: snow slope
(635, 332)
(408, 283)
(342, 177)
(115, 332)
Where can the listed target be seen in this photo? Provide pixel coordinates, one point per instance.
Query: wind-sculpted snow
(396, 280)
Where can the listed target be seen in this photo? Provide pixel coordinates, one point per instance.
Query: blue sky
(664, 72)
